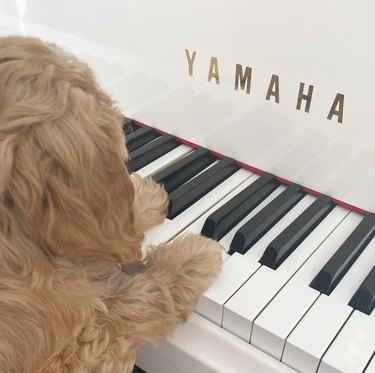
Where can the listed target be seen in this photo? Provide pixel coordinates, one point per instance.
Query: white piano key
(204, 170)
(276, 279)
(238, 314)
(271, 328)
(170, 228)
(315, 332)
(371, 366)
(236, 270)
(328, 315)
(227, 239)
(268, 280)
(164, 161)
(278, 319)
(197, 225)
(353, 347)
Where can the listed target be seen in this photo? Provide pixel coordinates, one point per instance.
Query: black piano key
(193, 190)
(140, 137)
(292, 236)
(129, 126)
(341, 261)
(364, 298)
(221, 221)
(183, 170)
(265, 219)
(147, 153)
(138, 370)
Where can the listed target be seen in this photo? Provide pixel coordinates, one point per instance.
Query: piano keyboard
(298, 275)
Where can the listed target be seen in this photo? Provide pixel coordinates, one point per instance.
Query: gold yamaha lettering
(214, 70)
(242, 80)
(273, 89)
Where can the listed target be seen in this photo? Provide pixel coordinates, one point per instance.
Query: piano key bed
(297, 287)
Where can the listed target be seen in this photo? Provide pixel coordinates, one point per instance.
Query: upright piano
(257, 117)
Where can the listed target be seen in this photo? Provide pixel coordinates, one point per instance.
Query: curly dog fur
(69, 214)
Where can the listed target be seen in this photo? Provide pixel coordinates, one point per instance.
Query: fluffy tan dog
(69, 213)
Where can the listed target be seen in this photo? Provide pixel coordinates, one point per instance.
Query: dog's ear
(62, 151)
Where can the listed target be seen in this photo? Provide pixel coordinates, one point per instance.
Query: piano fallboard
(284, 87)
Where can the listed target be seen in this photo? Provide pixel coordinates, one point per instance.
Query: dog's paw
(192, 257)
(150, 202)
(202, 254)
(189, 265)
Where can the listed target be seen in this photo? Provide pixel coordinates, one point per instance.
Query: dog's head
(63, 181)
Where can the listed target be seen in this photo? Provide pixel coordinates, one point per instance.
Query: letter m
(243, 79)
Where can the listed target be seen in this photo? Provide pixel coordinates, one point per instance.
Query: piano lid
(286, 87)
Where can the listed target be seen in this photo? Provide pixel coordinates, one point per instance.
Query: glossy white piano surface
(328, 45)
(137, 49)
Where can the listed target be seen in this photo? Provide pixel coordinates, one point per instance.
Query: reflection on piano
(297, 288)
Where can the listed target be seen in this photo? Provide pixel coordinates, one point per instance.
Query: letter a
(273, 89)
(339, 101)
(214, 70)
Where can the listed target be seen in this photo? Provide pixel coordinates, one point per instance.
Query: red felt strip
(261, 172)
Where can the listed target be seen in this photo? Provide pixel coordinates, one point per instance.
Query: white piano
(281, 95)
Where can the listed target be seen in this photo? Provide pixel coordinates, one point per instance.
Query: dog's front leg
(150, 304)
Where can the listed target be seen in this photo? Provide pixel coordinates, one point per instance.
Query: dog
(70, 214)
